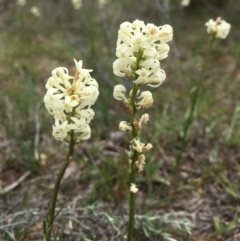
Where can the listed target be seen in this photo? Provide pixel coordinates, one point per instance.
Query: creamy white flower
(86, 133)
(61, 76)
(219, 28)
(144, 119)
(77, 4)
(137, 145)
(165, 33)
(124, 126)
(84, 72)
(53, 103)
(118, 93)
(88, 96)
(146, 100)
(143, 76)
(125, 60)
(139, 42)
(52, 96)
(102, 3)
(211, 26)
(147, 147)
(60, 81)
(151, 57)
(185, 3)
(69, 103)
(88, 114)
(121, 68)
(35, 11)
(21, 2)
(59, 115)
(77, 124)
(151, 32)
(138, 25)
(140, 162)
(60, 130)
(163, 50)
(129, 153)
(157, 78)
(151, 77)
(133, 188)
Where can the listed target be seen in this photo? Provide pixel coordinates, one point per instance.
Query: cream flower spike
(140, 47)
(69, 101)
(219, 28)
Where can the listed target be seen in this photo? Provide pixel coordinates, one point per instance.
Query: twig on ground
(14, 184)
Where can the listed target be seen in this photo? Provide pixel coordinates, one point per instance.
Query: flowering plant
(140, 47)
(69, 100)
(219, 28)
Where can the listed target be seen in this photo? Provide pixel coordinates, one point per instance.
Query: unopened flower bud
(140, 162)
(137, 145)
(129, 154)
(128, 107)
(147, 147)
(124, 126)
(218, 20)
(133, 188)
(147, 100)
(144, 119)
(134, 66)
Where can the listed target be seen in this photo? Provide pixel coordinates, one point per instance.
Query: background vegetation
(202, 198)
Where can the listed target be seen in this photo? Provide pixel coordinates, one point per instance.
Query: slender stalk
(194, 101)
(135, 156)
(50, 216)
(135, 134)
(132, 199)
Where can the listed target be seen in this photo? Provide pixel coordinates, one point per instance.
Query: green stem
(135, 134)
(194, 101)
(132, 198)
(135, 156)
(50, 216)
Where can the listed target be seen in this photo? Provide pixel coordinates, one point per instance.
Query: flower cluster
(219, 28)
(185, 3)
(140, 47)
(77, 4)
(35, 11)
(69, 100)
(21, 2)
